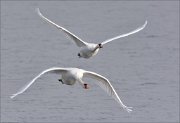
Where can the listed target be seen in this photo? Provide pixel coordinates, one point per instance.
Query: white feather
(107, 87)
(88, 49)
(127, 34)
(23, 89)
(79, 42)
(75, 74)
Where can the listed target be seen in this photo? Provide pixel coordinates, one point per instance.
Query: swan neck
(96, 47)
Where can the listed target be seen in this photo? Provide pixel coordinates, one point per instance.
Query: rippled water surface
(143, 67)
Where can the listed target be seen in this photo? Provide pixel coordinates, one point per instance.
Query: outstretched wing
(106, 86)
(127, 34)
(52, 70)
(79, 42)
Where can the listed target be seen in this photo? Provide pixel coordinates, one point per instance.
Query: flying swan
(88, 49)
(69, 76)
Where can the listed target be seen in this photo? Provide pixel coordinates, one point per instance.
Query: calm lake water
(143, 68)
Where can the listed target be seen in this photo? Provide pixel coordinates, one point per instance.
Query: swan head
(100, 45)
(86, 86)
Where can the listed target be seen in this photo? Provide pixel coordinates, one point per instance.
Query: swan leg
(60, 80)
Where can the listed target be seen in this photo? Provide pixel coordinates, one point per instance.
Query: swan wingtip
(13, 95)
(37, 10)
(146, 22)
(128, 109)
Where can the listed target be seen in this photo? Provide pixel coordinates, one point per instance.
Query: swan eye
(79, 55)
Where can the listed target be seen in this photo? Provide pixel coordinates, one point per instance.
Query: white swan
(88, 49)
(70, 75)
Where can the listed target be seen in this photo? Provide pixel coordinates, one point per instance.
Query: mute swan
(88, 49)
(71, 75)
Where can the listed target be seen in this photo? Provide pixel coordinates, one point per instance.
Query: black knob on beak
(100, 45)
(79, 55)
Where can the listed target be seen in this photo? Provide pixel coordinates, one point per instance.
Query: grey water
(143, 68)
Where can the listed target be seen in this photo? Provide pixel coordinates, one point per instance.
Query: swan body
(88, 49)
(70, 76)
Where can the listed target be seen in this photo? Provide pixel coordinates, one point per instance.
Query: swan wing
(127, 34)
(79, 42)
(106, 86)
(52, 70)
